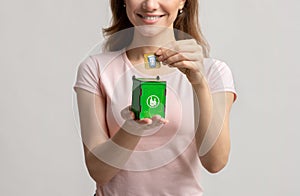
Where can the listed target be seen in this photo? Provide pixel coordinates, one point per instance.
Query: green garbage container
(148, 97)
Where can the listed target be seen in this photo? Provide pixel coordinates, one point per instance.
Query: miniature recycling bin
(148, 97)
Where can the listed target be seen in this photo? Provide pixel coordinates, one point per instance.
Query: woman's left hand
(187, 56)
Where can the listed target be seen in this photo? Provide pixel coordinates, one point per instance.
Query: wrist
(201, 85)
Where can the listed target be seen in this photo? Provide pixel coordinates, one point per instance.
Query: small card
(151, 61)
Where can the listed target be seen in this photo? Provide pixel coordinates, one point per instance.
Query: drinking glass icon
(152, 61)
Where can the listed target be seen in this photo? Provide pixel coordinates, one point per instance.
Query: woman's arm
(212, 123)
(105, 156)
(94, 136)
(212, 132)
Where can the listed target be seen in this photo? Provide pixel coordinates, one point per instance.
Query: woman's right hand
(139, 127)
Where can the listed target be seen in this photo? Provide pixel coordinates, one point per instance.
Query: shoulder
(214, 69)
(218, 75)
(97, 62)
(212, 65)
(103, 58)
(89, 71)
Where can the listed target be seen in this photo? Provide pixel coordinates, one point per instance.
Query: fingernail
(158, 52)
(160, 58)
(165, 121)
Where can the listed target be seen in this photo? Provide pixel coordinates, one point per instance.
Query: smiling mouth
(150, 17)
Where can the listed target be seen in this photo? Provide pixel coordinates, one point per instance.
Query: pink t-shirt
(165, 162)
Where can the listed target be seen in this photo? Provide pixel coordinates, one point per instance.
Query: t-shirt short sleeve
(88, 77)
(220, 78)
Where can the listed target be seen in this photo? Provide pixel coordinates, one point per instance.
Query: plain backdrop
(42, 42)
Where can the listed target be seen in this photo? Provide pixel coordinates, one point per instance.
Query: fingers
(127, 114)
(181, 46)
(181, 54)
(145, 123)
(179, 57)
(159, 119)
(154, 121)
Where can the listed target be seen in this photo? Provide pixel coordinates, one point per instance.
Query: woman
(154, 156)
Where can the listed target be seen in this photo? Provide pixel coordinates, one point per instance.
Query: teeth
(150, 17)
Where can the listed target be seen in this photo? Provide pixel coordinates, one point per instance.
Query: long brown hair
(120, 33)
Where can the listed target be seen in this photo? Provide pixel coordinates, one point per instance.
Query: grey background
(42, 42)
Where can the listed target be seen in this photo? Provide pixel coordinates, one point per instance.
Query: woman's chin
(151, 30)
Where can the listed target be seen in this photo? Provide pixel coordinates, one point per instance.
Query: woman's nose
(150, 5)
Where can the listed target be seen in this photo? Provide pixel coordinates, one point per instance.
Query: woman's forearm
(202, 111)
(105, 160)
(212, 132)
